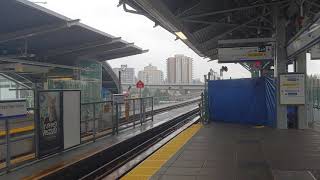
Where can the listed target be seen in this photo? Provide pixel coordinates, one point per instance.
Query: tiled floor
(234, 152)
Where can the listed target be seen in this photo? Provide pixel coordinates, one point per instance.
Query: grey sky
(106, 16)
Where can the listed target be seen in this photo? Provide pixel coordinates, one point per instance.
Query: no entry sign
(140, 84)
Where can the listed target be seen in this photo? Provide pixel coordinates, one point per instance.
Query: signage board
(118, 98)
(292, 88)
(13, 109)
(50, 125)
(315, 52)
(71, 118)
(140, 84)
(305, 40)
(242, 54)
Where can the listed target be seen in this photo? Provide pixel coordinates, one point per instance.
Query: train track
(108, 160)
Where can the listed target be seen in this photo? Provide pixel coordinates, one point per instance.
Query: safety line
(18, 130)
(153, 163)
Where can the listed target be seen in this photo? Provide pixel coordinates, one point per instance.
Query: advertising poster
(292, 89)
(50, 123)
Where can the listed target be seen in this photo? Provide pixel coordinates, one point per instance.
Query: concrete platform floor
(234, 152)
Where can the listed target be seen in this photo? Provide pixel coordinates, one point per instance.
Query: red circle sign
(140, 84)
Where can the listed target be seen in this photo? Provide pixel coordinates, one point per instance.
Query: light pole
(120, 89)
(123, 68)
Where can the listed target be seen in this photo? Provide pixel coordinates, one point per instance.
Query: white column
(302, 109)
(280, 65)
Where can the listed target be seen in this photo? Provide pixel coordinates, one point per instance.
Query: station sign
(315, 52)
(242, 54)
(292, 88)
(13, 109)
(305, 40)
(118, 98)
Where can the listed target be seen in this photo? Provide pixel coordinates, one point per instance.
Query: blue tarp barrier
(244, 101)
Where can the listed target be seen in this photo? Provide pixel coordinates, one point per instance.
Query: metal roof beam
(68, 50)
(210, 41)
(245, 41)
(213, 24)
(99, 53)
(313, 3)
(36, 63)
(234, 9)
(188, 9)
(114, 56)
(35, 31)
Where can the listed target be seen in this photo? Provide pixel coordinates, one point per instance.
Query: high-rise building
(127, 75)
(151, 75)
(179, 69)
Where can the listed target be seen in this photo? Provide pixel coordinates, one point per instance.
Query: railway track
(106, 161)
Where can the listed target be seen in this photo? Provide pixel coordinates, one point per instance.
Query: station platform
(40, 168)
(234, 152)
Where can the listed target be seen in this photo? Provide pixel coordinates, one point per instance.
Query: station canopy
(201, 24)
(31, 34)
(34, 33)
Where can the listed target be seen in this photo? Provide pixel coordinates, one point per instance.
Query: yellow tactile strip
(17, 130)
(153, 163)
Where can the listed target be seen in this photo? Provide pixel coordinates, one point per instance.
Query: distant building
(197, 81)
(179, 70)
(151, 75)
(127, 76)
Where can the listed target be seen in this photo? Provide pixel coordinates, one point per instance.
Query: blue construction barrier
(244, 101)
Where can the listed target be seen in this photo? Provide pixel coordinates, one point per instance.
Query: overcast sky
(106, 16)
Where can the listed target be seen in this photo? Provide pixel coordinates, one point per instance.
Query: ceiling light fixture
(181, 35)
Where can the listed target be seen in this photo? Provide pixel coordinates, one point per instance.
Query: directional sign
(140, 84)
(242, 54)
(13, 109)
(315, 52)
(118, 98)
(292, 88)
(304, 41)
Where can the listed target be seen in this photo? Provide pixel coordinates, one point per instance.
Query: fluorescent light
(181, 35)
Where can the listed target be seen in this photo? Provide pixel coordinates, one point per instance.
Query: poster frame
(60, 148)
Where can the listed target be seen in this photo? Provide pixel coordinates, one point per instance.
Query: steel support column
(302, 109)
(280, 64)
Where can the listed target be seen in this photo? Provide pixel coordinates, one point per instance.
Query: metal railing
(313, 99)
(102, 118)
(98, 119)
(17, 139)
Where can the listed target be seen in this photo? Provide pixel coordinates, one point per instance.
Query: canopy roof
(31, 34)
(205, 22)
(34, 33)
